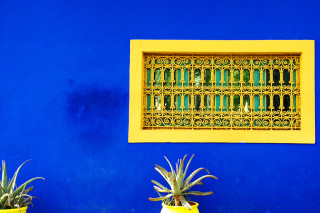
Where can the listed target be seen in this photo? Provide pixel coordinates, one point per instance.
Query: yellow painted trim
(22, 210)
(304, 47)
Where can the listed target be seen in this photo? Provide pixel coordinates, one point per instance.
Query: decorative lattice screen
(221, 91)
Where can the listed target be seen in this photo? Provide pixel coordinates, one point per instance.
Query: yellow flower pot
(180, 209)
(22, 210)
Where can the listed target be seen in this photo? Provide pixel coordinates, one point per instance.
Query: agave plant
(179, 185)
(12, 196)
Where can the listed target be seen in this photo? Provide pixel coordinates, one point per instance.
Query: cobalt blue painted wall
(64, 84)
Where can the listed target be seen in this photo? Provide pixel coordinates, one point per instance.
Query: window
(222, 91)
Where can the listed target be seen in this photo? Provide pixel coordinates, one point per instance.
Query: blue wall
(64, 85)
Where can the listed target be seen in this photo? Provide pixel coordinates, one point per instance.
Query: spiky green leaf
(4, 198)
(161, 190)
(13, 181)
(198, 193)
(180, 172)
(193, 174)
(160, 185)
(19, 189)
(161, 198)
(172, 170)
(197, 181)
(177, 166)
(2, 191)
(185, 171)
(184, 202)
(164, 172)
(4, 182)
(165, 176)
(175, 188)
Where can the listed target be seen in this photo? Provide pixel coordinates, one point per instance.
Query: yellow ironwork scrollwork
(221, 91)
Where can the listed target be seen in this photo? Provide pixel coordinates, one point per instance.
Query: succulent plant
(179, 184)
(12, 196)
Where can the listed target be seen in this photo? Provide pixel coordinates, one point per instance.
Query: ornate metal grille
(221, 91)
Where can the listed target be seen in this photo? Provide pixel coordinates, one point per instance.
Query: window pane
(236, 102)
(286, 102)
(246, 77)
(157, 76)
(167, 102)
(286, 77)
(197, 77)
(207, 101)
(197, 101)
(236, 77)
(207, 77)
(276, 77)
(167, 77)
(157, 102)
(246, 103)
(276, 102)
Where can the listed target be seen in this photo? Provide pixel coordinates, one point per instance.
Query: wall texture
(64, 85)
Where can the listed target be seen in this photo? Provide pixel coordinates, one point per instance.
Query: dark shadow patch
(98, 115)
(70, 82)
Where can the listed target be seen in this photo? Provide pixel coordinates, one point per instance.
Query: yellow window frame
(305, 135)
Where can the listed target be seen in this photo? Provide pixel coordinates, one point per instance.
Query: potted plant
(14, 199)
(175, 198)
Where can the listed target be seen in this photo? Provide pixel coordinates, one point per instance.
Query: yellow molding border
(304, 136)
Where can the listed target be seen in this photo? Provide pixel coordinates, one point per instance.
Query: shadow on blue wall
(92, 111)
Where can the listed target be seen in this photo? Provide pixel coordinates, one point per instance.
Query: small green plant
(178, 193)
(12, 196)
